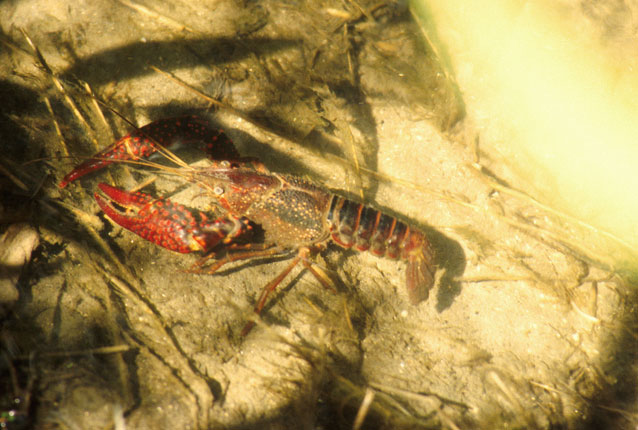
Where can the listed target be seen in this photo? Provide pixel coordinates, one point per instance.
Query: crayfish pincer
(294, 214)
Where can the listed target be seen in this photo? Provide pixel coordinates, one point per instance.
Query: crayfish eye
(218, 190)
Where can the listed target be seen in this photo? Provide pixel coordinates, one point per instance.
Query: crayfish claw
(163, 133)
(168, 224)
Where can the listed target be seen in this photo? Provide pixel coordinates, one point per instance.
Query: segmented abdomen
(366, 229)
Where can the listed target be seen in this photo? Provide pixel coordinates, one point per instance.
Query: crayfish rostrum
(294, 214)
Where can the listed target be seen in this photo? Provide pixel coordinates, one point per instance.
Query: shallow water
(519, 330)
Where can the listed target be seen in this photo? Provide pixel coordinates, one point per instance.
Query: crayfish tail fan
(420, 272)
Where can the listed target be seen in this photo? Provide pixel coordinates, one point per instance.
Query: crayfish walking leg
(303, 257)
(253, 251)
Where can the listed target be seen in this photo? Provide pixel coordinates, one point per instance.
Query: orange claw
(167, 224)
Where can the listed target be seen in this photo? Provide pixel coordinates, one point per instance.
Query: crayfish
(292, 213)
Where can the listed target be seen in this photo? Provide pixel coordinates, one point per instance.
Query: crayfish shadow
(131, 61)
(273, 158)
(450, 258)
(246, 143)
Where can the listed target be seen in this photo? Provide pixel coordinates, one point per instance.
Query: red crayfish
(293, 214)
